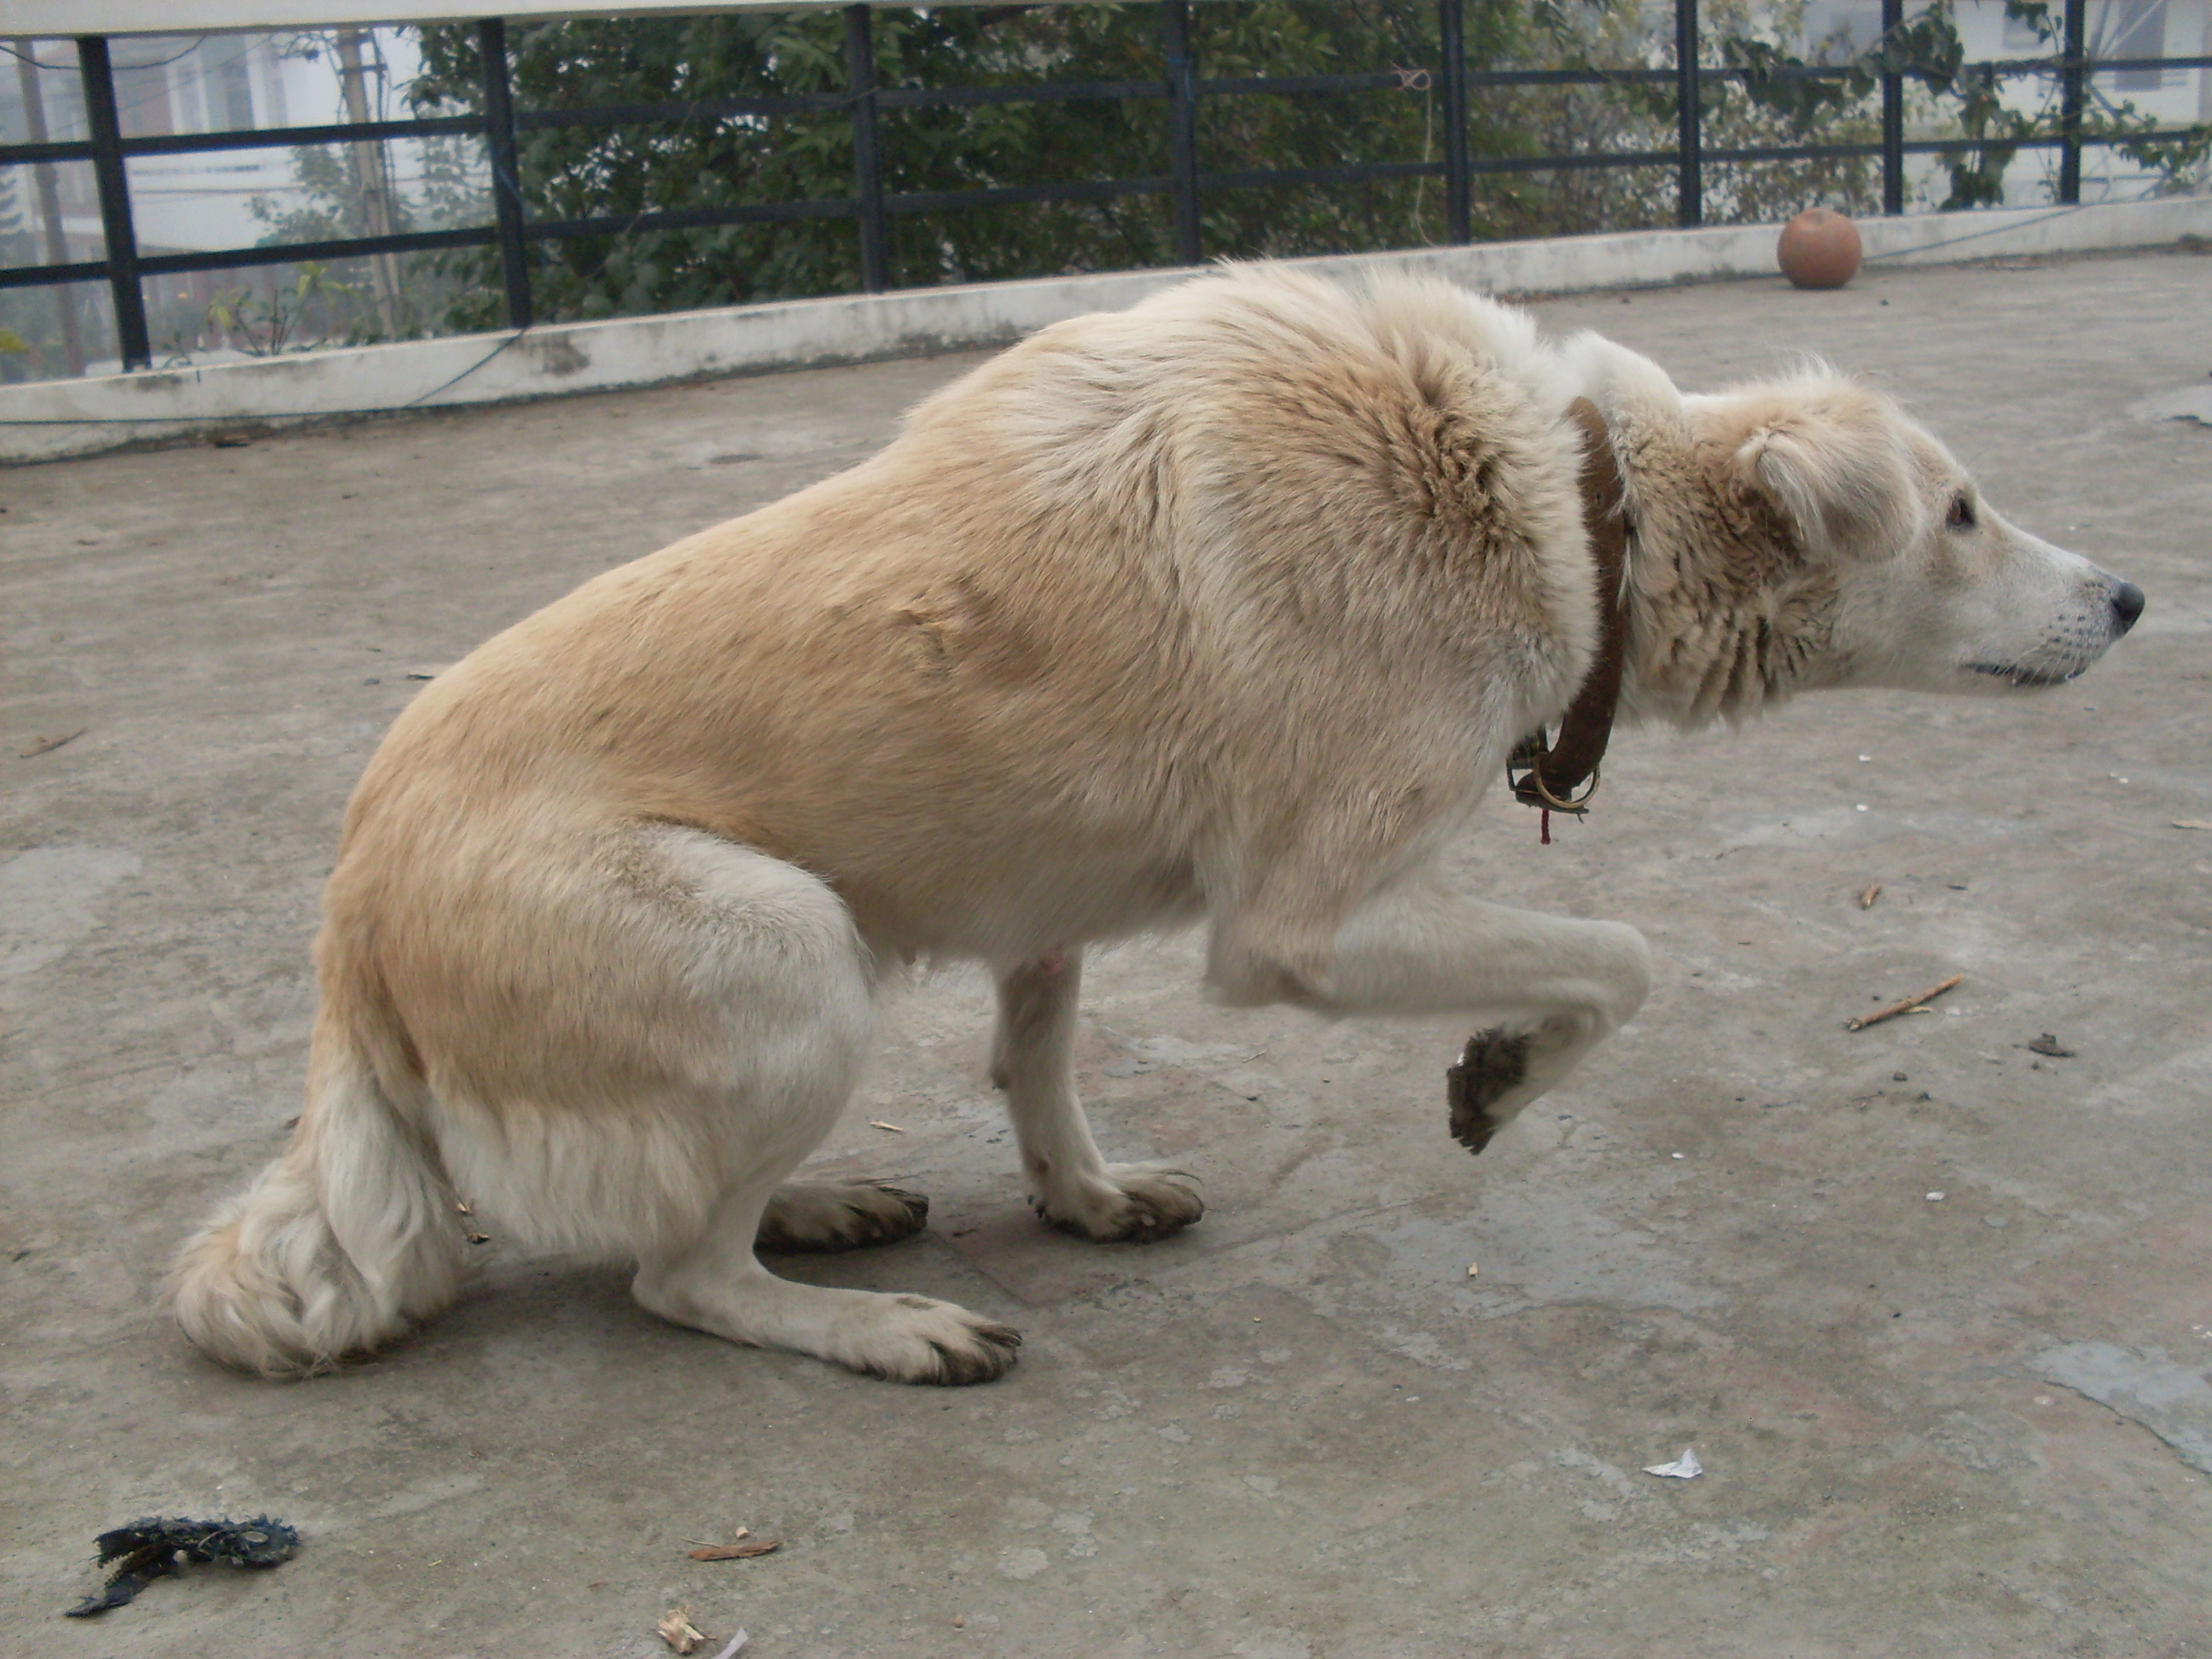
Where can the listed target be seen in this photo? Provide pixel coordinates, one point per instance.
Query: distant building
(195, 203)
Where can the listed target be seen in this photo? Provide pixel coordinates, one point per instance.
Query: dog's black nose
(2127, 605)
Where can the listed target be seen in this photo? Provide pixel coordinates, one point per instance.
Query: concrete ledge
(51, 420)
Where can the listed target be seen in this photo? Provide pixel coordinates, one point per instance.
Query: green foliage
(332, 209)
(330, 205)
(1628, 115)
(313, 308)
(1766, 87)
(1925, 49)
(342, 192)
(618, 172)
(31, 316)
(601, 172)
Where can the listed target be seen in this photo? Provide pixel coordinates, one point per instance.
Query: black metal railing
(871, 206)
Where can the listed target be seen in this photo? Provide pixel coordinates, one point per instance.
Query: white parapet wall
(52, 420)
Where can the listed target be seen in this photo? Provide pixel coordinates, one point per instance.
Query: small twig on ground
(1909, 1005)
(737, 1551)
(47, 746)
(1867, 898)
(878, 1123)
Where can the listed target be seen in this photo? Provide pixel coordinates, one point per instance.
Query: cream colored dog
(1224, 609)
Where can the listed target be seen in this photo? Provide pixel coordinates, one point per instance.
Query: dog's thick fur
(1226, 608)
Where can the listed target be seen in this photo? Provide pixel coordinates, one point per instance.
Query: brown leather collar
(1549, 776)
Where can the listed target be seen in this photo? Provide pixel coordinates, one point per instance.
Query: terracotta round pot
(1820, 248)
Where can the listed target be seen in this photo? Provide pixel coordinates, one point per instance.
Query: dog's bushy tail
(338, 1247)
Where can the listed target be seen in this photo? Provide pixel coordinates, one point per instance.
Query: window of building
(2134, 28)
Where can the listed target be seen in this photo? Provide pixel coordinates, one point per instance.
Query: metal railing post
(506, 179)
(1451, 35)
(867, 156)
(2073, 80)
(1893, 117)
(1689, 195)
(1183, 126)
(54, 233)
(105, 127)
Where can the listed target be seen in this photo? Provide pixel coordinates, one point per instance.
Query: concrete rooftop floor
(1978, 1424)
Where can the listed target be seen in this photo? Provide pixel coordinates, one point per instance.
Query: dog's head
(1805, 533)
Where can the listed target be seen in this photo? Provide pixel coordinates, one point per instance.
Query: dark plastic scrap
(159, 1544)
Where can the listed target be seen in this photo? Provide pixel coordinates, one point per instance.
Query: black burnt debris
(159, 1545)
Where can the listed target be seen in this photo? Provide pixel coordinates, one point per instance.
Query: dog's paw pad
(1495, 1063)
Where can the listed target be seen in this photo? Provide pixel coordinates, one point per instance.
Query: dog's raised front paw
(1495, 1064)
(823, 1216)
(1134, 1204)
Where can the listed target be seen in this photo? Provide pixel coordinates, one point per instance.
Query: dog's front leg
(1033, 1059)
(1554, 988)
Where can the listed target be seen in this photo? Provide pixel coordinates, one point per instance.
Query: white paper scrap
(1685, 1467)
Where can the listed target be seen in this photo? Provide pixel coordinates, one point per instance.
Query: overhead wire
(33, 59)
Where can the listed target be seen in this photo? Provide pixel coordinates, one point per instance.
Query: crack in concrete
(2148, 1389)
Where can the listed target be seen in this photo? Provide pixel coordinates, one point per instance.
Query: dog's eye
(1961, 516)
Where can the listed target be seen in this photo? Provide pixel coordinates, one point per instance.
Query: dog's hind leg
(717, 1284)
(1070, 1185)
(769, 964)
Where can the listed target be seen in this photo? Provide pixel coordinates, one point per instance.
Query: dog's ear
(1832, 458)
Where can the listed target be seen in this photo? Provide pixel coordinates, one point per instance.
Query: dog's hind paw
(1132, 1204)
(823, 1216)
(935, 1342)
(1495, 1064)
